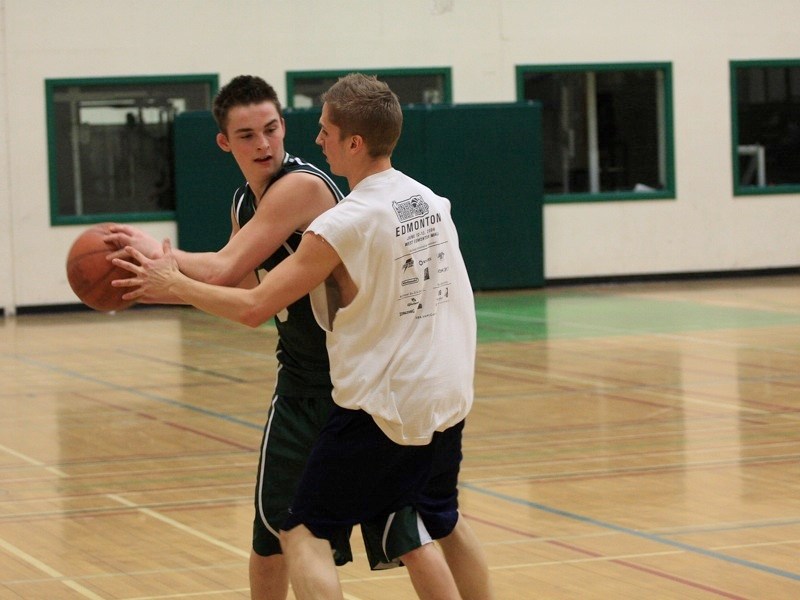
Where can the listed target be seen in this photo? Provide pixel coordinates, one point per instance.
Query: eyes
(269, 131)
(323, 133)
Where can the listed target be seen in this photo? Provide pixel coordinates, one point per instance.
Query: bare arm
(295, 277)
(289, 205)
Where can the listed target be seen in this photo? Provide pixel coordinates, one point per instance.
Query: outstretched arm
(292, 279)
(289, 205)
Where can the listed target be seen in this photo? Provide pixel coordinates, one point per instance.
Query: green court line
(539, 316)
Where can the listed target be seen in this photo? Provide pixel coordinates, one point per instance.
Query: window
(111, 147)
(606, 130)
(766, 126)
(412, 86)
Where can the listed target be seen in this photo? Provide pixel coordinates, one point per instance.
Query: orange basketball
(90, 274)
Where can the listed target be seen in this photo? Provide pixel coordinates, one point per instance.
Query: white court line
(32, 461)
(191, 531)
(550, 563)
(32, 561)
(178, 525)
(37, 564)
(756, 545)
(205, 594)
(189, 594)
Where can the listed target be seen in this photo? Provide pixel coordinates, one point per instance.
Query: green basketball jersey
(303, 368)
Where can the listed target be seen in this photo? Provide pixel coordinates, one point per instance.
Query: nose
(263, 142)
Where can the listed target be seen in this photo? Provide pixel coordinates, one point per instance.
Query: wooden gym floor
(627, 442)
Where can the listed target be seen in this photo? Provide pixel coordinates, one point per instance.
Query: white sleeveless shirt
(404, 349)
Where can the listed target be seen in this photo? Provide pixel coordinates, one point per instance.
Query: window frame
(738, 188)
(445, 72)
(669, 192)
(51, 86)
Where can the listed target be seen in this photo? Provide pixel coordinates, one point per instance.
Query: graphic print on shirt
(423, 264)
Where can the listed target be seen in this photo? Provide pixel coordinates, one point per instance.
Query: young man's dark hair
(241, 91)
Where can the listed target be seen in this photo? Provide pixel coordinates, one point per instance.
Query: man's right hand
(126, 235)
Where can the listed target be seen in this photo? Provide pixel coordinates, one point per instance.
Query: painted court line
(622, 560)
(191, 531)
(136, 392)
(207, 594)
(686, 333)
(182, 366)
(88, 593)
(32, 461)
(48, 570)
(610, 558)
(633, 532)
(191, 594)
(178, 525)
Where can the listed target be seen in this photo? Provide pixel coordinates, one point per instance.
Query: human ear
(222, 142)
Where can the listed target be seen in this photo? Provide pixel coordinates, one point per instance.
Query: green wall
(205, 179)
(485, 158)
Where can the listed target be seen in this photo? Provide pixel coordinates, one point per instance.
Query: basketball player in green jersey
(281, 196)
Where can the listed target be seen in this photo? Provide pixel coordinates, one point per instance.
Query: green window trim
(444, 72)
(666, 159)
(737, 150)
(51, 87)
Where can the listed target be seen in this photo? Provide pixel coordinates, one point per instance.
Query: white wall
(704, 229)
(6, 263)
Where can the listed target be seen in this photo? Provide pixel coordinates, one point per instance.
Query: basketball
(90, 274)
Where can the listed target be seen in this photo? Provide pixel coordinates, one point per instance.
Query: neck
(377, 165)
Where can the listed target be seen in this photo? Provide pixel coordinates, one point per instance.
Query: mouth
(264, 159)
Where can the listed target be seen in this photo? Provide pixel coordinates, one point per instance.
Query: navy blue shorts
(356, 474)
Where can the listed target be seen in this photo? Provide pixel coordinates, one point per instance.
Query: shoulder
(295, 168)
(303, 182)
(296, 199)
(295, 163)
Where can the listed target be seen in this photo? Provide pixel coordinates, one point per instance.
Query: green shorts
(293, 426)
